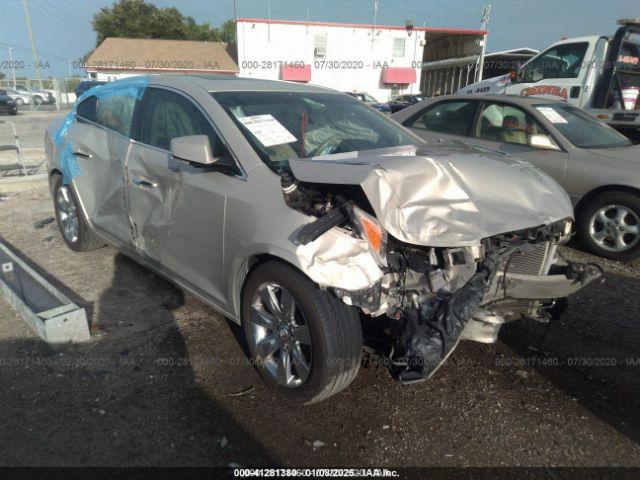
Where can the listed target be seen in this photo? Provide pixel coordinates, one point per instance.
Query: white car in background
(18, 97)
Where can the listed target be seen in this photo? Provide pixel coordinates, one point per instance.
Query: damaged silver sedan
(293, 210)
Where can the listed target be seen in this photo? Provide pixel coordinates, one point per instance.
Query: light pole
(13, 67)
(375, 18)
(36, 61)
(486, 10)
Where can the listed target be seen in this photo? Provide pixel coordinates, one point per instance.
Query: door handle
(82, 154)
(141, 182)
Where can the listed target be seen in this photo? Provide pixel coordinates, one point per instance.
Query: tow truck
(599, 74)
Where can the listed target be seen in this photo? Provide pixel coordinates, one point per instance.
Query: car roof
(512, 99)
(229, 83)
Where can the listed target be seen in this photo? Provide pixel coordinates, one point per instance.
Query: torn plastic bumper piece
(432, 332)
(313, 230)
(563, 282)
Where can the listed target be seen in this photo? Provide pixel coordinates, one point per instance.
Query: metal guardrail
(47, 311)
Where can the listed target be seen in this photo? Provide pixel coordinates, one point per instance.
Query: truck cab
(596, 73)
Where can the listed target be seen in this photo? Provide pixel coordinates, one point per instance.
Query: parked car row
(293, 209)
(22, 95)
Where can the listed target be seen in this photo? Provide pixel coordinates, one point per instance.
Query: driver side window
(561, 61)
(169, 115)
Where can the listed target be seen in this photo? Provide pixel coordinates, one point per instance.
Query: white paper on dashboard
(267, 129)
(552, 115)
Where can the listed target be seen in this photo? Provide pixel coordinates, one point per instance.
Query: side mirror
(543, 142)
(194, 149)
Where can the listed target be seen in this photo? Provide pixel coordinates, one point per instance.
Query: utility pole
(486, 10)
(13, 67)
(27, 17)
(235, 11)
(269, 23)
(375, 18)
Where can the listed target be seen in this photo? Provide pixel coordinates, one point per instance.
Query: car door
(177, 209)
(445, 120)
(99, 143)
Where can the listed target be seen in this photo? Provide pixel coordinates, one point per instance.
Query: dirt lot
(165, 381)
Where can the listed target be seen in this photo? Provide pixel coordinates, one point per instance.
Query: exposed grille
(530, 263)
(535, 262)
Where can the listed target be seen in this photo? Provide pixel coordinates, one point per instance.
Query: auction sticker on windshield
(267, 129)
(552, 115)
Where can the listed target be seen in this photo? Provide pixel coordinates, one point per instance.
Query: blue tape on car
(68, 163)
(127, 87)
(132, 87)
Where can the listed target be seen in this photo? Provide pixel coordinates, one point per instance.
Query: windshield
(580, 128)
(286, 125)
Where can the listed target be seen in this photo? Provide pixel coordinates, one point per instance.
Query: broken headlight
(371, 230)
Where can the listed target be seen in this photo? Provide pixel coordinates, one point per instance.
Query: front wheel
(19, 102)
(75, 231)
(304, 342)
(609, 226)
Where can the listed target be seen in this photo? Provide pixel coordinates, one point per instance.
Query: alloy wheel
(281, 336)
(615, 228)
(67, 214)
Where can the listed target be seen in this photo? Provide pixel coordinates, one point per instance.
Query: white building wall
(353, 60)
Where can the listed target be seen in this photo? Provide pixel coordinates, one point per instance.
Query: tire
(333, 333)
(19, 102)
(37, 99)
(13, 112)
(84, 239)
(598, 218)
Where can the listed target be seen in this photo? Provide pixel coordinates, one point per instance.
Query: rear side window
(170, 115)
(116, 112)
(454, 118)
(87, 108)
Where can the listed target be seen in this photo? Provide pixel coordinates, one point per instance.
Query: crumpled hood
(444, 195)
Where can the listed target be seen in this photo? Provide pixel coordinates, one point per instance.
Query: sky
(63, 32)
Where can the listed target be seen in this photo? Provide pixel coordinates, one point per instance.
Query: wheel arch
(54, 173)
(613, 188)
(243, 269)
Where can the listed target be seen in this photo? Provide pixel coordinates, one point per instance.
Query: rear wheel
(305, 343)
(71, 223)
(19, 102)
(609, 226)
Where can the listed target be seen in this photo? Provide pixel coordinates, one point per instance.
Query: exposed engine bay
(437, 295)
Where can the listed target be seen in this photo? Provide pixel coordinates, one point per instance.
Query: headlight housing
(371, 230)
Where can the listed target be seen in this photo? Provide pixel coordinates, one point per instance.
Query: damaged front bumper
(535, 295)
(428, 334)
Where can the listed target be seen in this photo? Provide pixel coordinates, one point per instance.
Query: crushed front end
(421, 239)
(440, 296)
(437, 296)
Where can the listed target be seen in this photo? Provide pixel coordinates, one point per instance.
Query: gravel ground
(165, 381)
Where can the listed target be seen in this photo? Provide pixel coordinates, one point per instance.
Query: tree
(139, 19)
